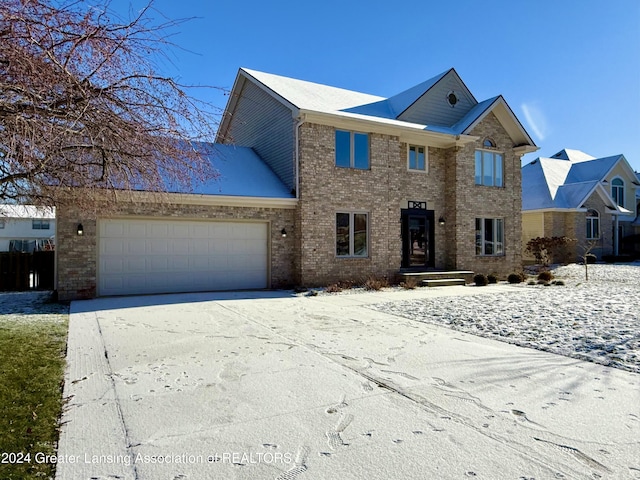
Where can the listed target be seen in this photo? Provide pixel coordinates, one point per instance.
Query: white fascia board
(565, 210)
(213, 200)
(406, 132)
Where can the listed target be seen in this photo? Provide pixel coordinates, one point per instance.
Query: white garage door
(164, 256)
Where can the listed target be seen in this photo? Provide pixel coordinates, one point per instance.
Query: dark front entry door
(417, 238)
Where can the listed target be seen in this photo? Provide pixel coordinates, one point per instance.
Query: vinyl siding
(433, 107)
(262, 123)
(532, 227)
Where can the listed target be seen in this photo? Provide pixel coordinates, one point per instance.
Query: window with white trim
(352, 150)
(418, 158)
(352, 234)
(489, 166)
(593, 224)
(40, 224)
(617, 191)
(490, 236)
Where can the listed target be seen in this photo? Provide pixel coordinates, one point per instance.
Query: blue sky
(569, 69)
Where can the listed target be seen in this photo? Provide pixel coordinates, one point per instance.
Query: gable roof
(27, 212)
(302, 97)
(567, 180)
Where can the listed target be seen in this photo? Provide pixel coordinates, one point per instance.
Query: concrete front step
(420, 277)
(444, 282)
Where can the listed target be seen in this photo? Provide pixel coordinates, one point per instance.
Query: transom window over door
(352, 150)
(617, 191)
(489, 236)
(352, 231)
(593, 224)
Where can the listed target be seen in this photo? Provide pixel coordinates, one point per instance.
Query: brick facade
(384, 190)
(77, 255)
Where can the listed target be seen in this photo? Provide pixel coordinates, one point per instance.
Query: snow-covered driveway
(284, 387)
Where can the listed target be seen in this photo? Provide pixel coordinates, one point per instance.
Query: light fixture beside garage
(80, 230)
(284, 233)
(441, 221)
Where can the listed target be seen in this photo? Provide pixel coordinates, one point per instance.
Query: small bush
(545, 276)
(409, 283)
(558, 283)
(531, 282)
(514, 278)
(376, 283)
(480, 280)
(492, 278)
(333, 288)
(543, 282)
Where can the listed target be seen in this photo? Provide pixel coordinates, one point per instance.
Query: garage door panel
(162, 256)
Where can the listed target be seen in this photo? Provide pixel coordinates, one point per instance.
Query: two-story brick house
(426, 179)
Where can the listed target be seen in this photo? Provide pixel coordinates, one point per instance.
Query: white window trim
(501, 254)
(623, 187)
(495, 152)
(591, 217)
(426, 159)
(352, 236)
(352, 149)
(41, 222)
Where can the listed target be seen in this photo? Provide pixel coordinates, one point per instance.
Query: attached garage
(141, 256)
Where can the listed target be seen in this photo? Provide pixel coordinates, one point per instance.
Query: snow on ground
(598, 320)
(30, 307)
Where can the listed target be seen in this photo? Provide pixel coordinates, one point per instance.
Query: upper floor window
(1, 222)
(488, 143)
(489, 168)
(40, 224)
(593, 224)
(417, 158)
(489, 236)
(352, 230)
(617, 191)
(352, 150)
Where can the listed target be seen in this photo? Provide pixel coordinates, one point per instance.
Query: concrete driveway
(271, 386)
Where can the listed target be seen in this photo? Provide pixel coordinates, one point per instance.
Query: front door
(417, 238)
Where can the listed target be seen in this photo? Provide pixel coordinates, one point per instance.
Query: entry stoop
(439, 279)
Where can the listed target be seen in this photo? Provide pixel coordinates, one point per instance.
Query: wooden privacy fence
(26, 271)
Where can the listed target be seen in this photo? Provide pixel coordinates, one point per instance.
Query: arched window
(488, 143)
(593, 224)
(617, 191)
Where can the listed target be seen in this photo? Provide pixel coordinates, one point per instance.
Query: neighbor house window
(489, 236)
(352, 231)
(1, 222)
(417, 158)
(489, 166)
(617, 191)
(593, 225)
(352, 150)
(40, 224)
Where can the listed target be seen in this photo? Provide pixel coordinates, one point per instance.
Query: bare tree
(82, 106)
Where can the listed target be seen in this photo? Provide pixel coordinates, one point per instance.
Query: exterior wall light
(80, 230)
(284, 233)
(441, 220)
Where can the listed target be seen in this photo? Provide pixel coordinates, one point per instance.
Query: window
(489, 168)
(617, 191)
(593, 225)
(352, 150)
(40, 224)
(1, 222)
(489, 236)
(351, 234)
(417, 158)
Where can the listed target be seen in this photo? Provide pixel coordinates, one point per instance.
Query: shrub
(376, 283)
(514, 278)
(409, 283)
(333, 288)
(543, 282)
(480, 280)
(545, 276)
(549, 249)
(531, 282)
(558, 282)
(492, 278)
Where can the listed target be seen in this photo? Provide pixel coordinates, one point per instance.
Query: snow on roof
(564, 181)
(241, 173)
(27, 211)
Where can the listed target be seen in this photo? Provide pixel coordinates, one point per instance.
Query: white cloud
(535, 120)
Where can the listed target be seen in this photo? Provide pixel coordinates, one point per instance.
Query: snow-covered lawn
(598, 320)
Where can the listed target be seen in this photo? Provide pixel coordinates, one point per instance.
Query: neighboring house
(25, 228)
(360, 185)
(572, 194)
